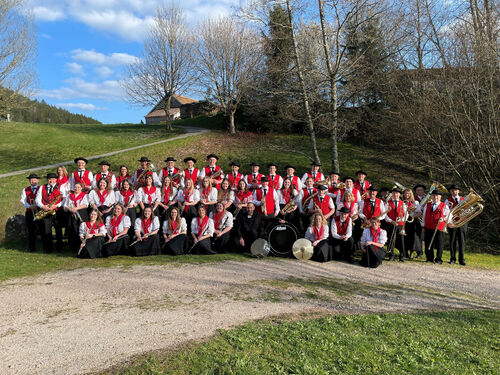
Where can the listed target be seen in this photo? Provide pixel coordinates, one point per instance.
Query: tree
(17, 54)
(166, 66)
(228, 56)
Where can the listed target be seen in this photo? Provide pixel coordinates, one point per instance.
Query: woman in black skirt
(146, 233)
(188, 199)
(117, 227)
(174, 233)
(208, 194)
(102, 199)
(168, 197)
(92, 234)
(318, 233)
(75, 205)
(149, 195)
(126, 196)
(202, 230)
(223, 223)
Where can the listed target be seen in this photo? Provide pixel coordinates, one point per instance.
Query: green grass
(459, 342)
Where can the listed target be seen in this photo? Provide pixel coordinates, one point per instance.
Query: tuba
(466, 210)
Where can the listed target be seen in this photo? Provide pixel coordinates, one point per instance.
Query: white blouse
(83, 230)
(310, 233)
(144, 198)
(208, 230)
(354, 211)
(155, 225)
(124, 223)
(172, 197)
(281, 199)
(212, 195)
(109, 201)
(228, 198)
(68, 203)
(367, 236)
(182, 228)
(121, 199)
(193, 197)
(226, 220)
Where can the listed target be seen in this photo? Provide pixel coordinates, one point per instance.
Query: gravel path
(75, 322)
(190, 131)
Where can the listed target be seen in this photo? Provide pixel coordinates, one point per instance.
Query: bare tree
(166, 66)
(18, 47)
(228, 56)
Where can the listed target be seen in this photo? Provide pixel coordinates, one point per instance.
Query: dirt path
(85, 320)
(190, 132)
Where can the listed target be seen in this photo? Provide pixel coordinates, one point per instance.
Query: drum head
(260, 248)
(281, 238)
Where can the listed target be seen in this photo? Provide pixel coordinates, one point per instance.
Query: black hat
(436, 192)
(272, 165)
(420, 185)
(254, 164)
(85, 160)
(322, 187)
(190, 158)
(362, 172)
(344, 210)
(289, 166)
(212, 156)
(383, 189)
(316, 163)
(264, 179)
(335, 172)
(348, 178)
(144, 159)
(372, 188)
(170, 158)
(396, 190)
(454, 187)
(234, 164)
(32, 175)
(51, 175)
(104, 162)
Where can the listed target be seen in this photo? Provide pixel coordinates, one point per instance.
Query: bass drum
(281, 238)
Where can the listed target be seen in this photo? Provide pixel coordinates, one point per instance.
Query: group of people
(206, 211)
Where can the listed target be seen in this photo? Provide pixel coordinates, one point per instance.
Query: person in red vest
(48, 198)
(322, 203)
(342, 241)
(371, 206)
(144, 165)
(314, 173)
(170, 170)
(28, 197)
(349, 186)
(457, 235)
(210, 169)
(333, 189)
(434, 218)
(82, 175)
(266, 199)
(275, 180)
(304, 194)
(361, 184)
(253, 179)
(235, 176)
(124, 175)
(372, 245)
(290, 174)
(190, 172)
(106, 174)
(395, 218)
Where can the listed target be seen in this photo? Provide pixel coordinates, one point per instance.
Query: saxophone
(42, 214)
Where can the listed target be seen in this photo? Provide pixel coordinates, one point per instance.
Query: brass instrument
(367, 223)
(466, 210)
(339, 185)
(263, 206)
(399, 186)
(364, 195)
(288, 207)
(215, 175)
(326, 182)
(150, 168)
(42, 214)
(306, 202)
(410, 218)
(435, 186)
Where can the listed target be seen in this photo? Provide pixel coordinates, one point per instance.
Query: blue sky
(84, 46)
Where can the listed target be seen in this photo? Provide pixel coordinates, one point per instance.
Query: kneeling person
(372, 243)
(146, 231)
(317, 233)
(92, 235)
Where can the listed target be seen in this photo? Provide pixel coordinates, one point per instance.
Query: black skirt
(219, 244)
(105, 216)
(92, 248)
(373, 257)
(132, 214)
(322, 252)
(149, 246)
(176, 246)
(203, 247)
(115, 248)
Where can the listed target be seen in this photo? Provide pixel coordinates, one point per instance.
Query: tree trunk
(310, 124)
(168, 123)
(232, 128)
(333, 93)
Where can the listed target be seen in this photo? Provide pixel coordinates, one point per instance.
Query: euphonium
(466, 210)
(150, 168)
(306, 202)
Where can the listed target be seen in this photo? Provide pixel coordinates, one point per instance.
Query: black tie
(170, 172)
(272, 177)
(396, 206)
(234, 176)
(50, 189)
(320, 199)
(265, 192)
(314, 175)
(456, 200)
(373, 206)
(212, 168)
(254, 176)
(310, 191)
(81, 174)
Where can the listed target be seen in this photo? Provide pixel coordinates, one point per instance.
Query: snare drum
(281, 238)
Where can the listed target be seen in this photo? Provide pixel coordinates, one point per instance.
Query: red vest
(367, 208)
(306, 193)
(360, 188)
(342, 230)
(319, 176)
(30, 196)
(324, 206)
(143, 179)
(269, 200)
(85, 180)
(165, 173)
(332, 188)
(234, 181)
(258, 176)
(295, 182)
(208, 173)
(192, 175)
(393, 214)
(432, 217)
(354, 192)
(108, 177)
(274, 182)
(46, 197)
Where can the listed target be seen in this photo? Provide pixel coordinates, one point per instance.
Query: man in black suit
(248, 228)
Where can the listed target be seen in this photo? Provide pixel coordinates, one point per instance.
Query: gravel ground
(86, 320)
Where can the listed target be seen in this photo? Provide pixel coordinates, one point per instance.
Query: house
(157, 114)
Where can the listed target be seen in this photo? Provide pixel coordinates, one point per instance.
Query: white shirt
(155, 225)
(109, 201)
(212, 195)
(124, 223)
(172, 197)
(310, 233)
(275, 198)
(367, 236)
(121, 199)
(24, 199)
(226, 220)
(333, 227)
(112, 180)
(144, 198)
(182, 228)
(193, 197)
(72, 179)
(38, 199)
(209, 230)
(355, 192)
(83, 230)
(281, 199)
(68, 203)
(229, 198)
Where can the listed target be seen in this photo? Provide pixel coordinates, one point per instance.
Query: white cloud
(103, 71)
(81, 106)
(74, 68)
(48, 14)
(98, 58)
(46, 36)
(77, 88)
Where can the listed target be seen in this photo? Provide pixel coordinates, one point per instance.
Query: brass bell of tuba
(466, 210)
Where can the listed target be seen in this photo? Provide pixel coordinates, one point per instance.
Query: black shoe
(429, 261)
(391, 257)
(462, 263)
(451, 262)
(438, 262)
(419, 256)
(401, 259)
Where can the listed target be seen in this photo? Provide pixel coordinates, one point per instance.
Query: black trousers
(31, 227)
(322, 252)
(457, 242)
(176, 246)
(342, 249)
(438, 244)
(373, 257)
(419, 238)
(399, 242)
(357, 233)
(45, 228)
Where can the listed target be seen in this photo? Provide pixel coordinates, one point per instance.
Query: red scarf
(102, 197)
(62, 180)
(126, 194)
(242, 195)
(93, 227)
(205, 192)
(350, 207)
(375, 234)
(217, 219)
(120, 179)
(115, 223)
(145, 223)
(318, 233)
(173, 226)
(166, 194)
(75, 198)
(186, 196)
(286, 194)
(202, 225)
(149, 192)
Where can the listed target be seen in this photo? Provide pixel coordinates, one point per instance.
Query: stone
(15, 228)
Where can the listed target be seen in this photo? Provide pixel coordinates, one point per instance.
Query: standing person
(124, 175)
(63, 180)
(235, 176)
(333, 186)
(288, 194)
(457, 235)
(349, 187)
(317, 233)
(361, 184)
(92, 234)
(349, 203)
(413, 209)
(315, 174)
(175, 233)
(168, 197)
(385, 194)
(117, 227)
(208, 194)
(249, 226)
(419, 236)
(140, 175)
(149, 195)
(275, 180)
(253, 179)
(342, 241)
(290, 174)
(226, 195)
(48, 198)
(211, 169)
(188, 199)
(127, 197)
(76, 204)
(202, 230)
(146, 233)
(106, 174)
(82, 175)
(266, 199)
(303, 200)
(223, 223)
(395, 218)
(190, 172)
(241, 198)
(102, 199)
(28, 197)
(372, 245)
(371, 206)
(171, 170)
(434, 221)
(322, 203)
